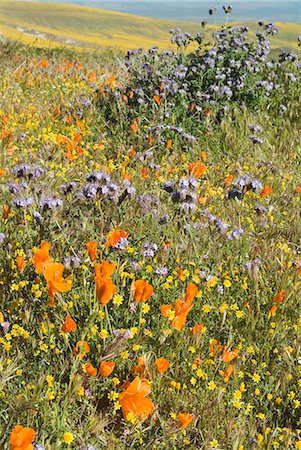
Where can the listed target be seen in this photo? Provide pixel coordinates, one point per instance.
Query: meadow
(150, 246)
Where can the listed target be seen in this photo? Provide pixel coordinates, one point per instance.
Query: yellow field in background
(54, 24)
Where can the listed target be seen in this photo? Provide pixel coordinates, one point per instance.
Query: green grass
(79, 26)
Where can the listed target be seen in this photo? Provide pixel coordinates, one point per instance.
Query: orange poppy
(181, 311)
(197, 169)
(90, 369)
(144, 173)
(1, 317)
(278, 298)
(181, 308)
(229, 355)
(20, 262)
(202, 200)
(140, 368)
(166, 310)
(214, 347)
(69, 325)
(184, 420)
(143, 291)
(106, 368)
(114, 237)
(168, 143)
(267, 190)
(44, 63)
(41, 257)
(229, 179)
(134, 399)
(134, 126)
(157, 99)
(5, 211)
(198, 328)
(191, 292)
(105, 288)
(21, 438)
(53, 274)
(162, 365)
(104, 269)
(298, 189)
(92, 250)
(228, 372)
(81, 349)
(273, 310)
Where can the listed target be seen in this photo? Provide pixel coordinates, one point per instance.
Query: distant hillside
(53, 24)
(193, 10)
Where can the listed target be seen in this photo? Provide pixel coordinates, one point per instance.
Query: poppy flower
(105, 288)
(20, 262)
(198, 328)
(168, 143)
(92, 250)
(41, 257)
(1, 317)
(273, 310)
(197, 169)
(181, 308)
(278, 298)
(114, 237)
(81, 349)
(90, 369)
(104, 269)
(166, 310)
(228, 372)
(214, 347)
(5, 211)
(191, 292)
(21, 438)
(143, 291)
(202, 200)
(162, 365)
(134, 126)
(229, 355)
(106, 368)
(181, 311)
(184, 420)
(69, 325)
(157, 99)
(140, 368)
(134, 399)
(267, 190)
(53, 274)
(229, 179)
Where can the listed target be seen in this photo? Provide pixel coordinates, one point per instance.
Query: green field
(51, 25)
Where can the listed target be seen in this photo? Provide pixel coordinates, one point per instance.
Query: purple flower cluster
(235, 234)
(220, 225)
(99, 185)
(184, 192)
(243, 184)
(147, 203)
(50, 203)
(149, 249)
(28, 171)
